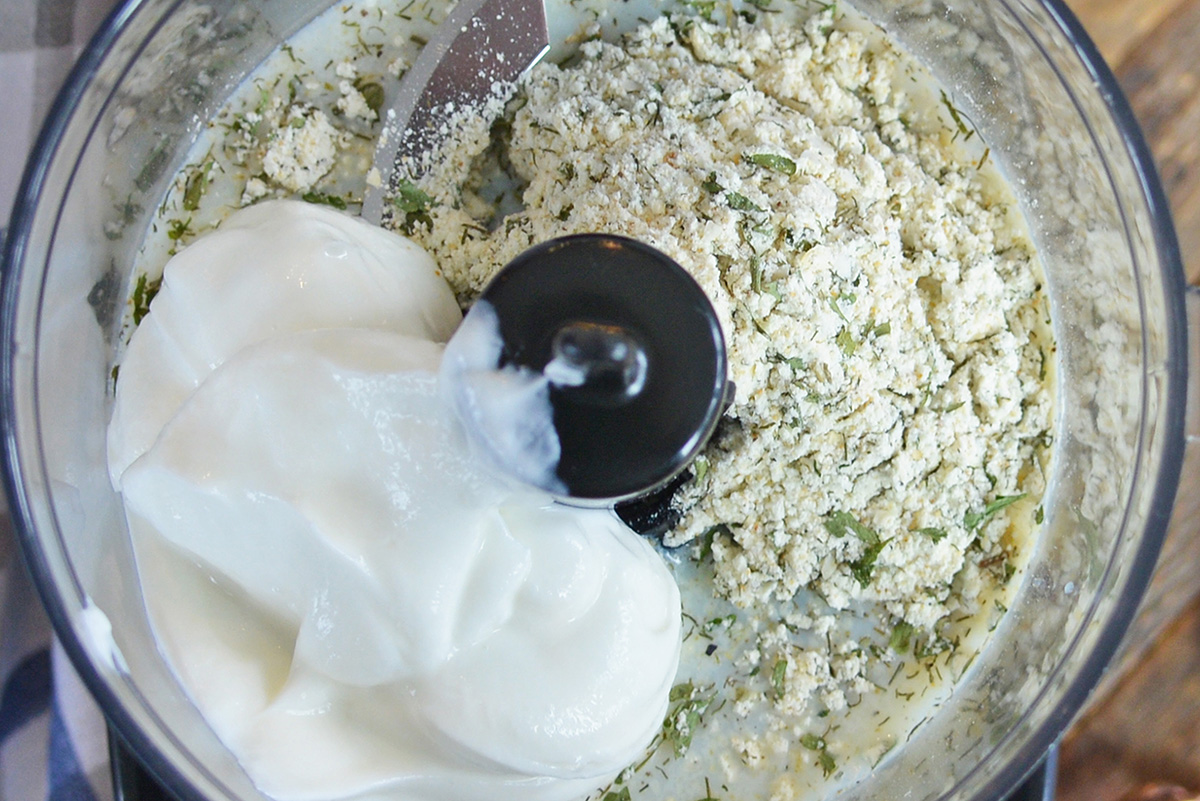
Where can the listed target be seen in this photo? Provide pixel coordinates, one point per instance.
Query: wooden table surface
(1142, 727)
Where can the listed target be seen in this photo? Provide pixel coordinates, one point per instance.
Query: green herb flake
(901, 637)
(1039, 515)
(706, 539)
(196, 184)
(711, 186)
(617, 795)
(739, 202)
(372, 92)
(935, 534)
(720, 622)
(778, 675)
(813, 742)
(685, 715)
(144, 291)
(957, 116)
(846, 341)
(324, 200)
(410, 199)
(833, 304)
(264, 99)
(780, 164)
(700, 466)
(178, 229)
(841, 523)
(864, 566)
(973, 520)
(414, 203)
(681, 692)
(704, 8)
(882, 330)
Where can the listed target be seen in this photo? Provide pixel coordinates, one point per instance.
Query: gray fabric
(39, 41)
(55, 24)
(17, 19)
(44, 755)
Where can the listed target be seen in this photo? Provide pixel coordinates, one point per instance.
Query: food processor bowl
(1050, 115)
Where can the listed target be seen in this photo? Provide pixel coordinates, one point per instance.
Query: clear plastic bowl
(1053, 118)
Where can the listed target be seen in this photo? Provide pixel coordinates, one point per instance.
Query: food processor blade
(481, 45)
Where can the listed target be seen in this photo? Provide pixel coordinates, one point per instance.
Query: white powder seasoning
(865, 509)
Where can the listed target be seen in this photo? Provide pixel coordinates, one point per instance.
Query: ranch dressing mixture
(854, 532)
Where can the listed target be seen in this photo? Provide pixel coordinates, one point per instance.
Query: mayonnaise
(357, 605)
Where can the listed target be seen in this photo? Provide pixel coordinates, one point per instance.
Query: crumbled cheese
(881, 304)
(353, 103)
(256, 189)
(398, 66)
(302, 150)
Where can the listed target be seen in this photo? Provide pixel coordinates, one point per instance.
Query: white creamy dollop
(358, 607)
(271, 269)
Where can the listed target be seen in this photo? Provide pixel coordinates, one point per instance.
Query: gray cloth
(39, 41)
(52, 737)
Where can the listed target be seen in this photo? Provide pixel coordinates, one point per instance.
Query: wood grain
(1147, 731)
(1161, 75)
(1119, 26)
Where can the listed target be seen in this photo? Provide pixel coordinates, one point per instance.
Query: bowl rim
(1139, 570)
(42, 155)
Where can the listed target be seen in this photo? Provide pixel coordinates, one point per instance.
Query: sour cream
(357, 605)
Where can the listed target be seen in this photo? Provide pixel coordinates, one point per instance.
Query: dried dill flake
(973, 520)
(688, 703)
(372, 92)
(780, 164)
(144, 291)
(414, 203)
(841, 524)
(324, 200)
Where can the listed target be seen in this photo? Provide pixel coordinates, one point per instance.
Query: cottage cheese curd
(416, 625)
